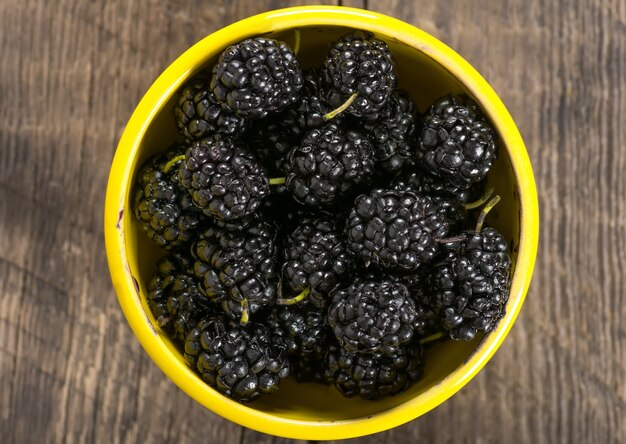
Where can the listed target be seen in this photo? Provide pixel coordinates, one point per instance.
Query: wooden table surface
(72, 71)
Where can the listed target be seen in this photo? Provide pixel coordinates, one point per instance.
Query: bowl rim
(115, 219)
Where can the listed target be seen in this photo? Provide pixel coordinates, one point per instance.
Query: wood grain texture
(71, 369)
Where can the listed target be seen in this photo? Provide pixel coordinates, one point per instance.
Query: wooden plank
(11, 284)
(253, 437)
(354, 3)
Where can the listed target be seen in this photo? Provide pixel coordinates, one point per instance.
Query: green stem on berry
(483, 213)
(162, 321)
(173, 161)
(277, 180)
(245, 312)
(296, 44)
(481, 200)
(342, 108)
(432, 338)
(294, 300)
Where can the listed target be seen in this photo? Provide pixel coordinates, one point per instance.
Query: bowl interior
(425, 80)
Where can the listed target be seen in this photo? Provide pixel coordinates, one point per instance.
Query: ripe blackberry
(457, 143)
(359, 65)
(306, 335)
(449, 198)
(372, 316)
(395, 230)
(199, 115)
(374, 376)
(393, 132)
(316, 258)
(223, 178)
(241, 363)
(161, 204)
(469, 285)
(330, 165)
(174, 298)
(257, 76)
(237, 269)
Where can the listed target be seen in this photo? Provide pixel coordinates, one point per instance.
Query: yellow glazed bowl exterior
(309, 411)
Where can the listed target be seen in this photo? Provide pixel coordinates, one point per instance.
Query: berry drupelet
(223, 178)
(174, 298)
(316, 258)
(162, 205)
(237, 269)
(372, 316)
(330, 165)
(242, 363)
(256, 77)
(359, 67)
(469, 284)
(198, 114)
(396, 230)
(457, 143)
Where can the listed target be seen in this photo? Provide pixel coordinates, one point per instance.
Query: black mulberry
(374, 376)
(238, 268)
(316, 257)
(372, 316)
(359, 64)
(330, 165)
(457, 142)
(469, 285)
(256, 77)
(223, 178)
(174, 298)
(395, 229)
(242, 363)
(306, 336)
(393, 132)
(199, 115)
(162, 205)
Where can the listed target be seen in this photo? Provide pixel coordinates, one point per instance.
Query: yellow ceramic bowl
(427, 69)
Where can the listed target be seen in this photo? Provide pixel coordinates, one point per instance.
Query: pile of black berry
(318, 225)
